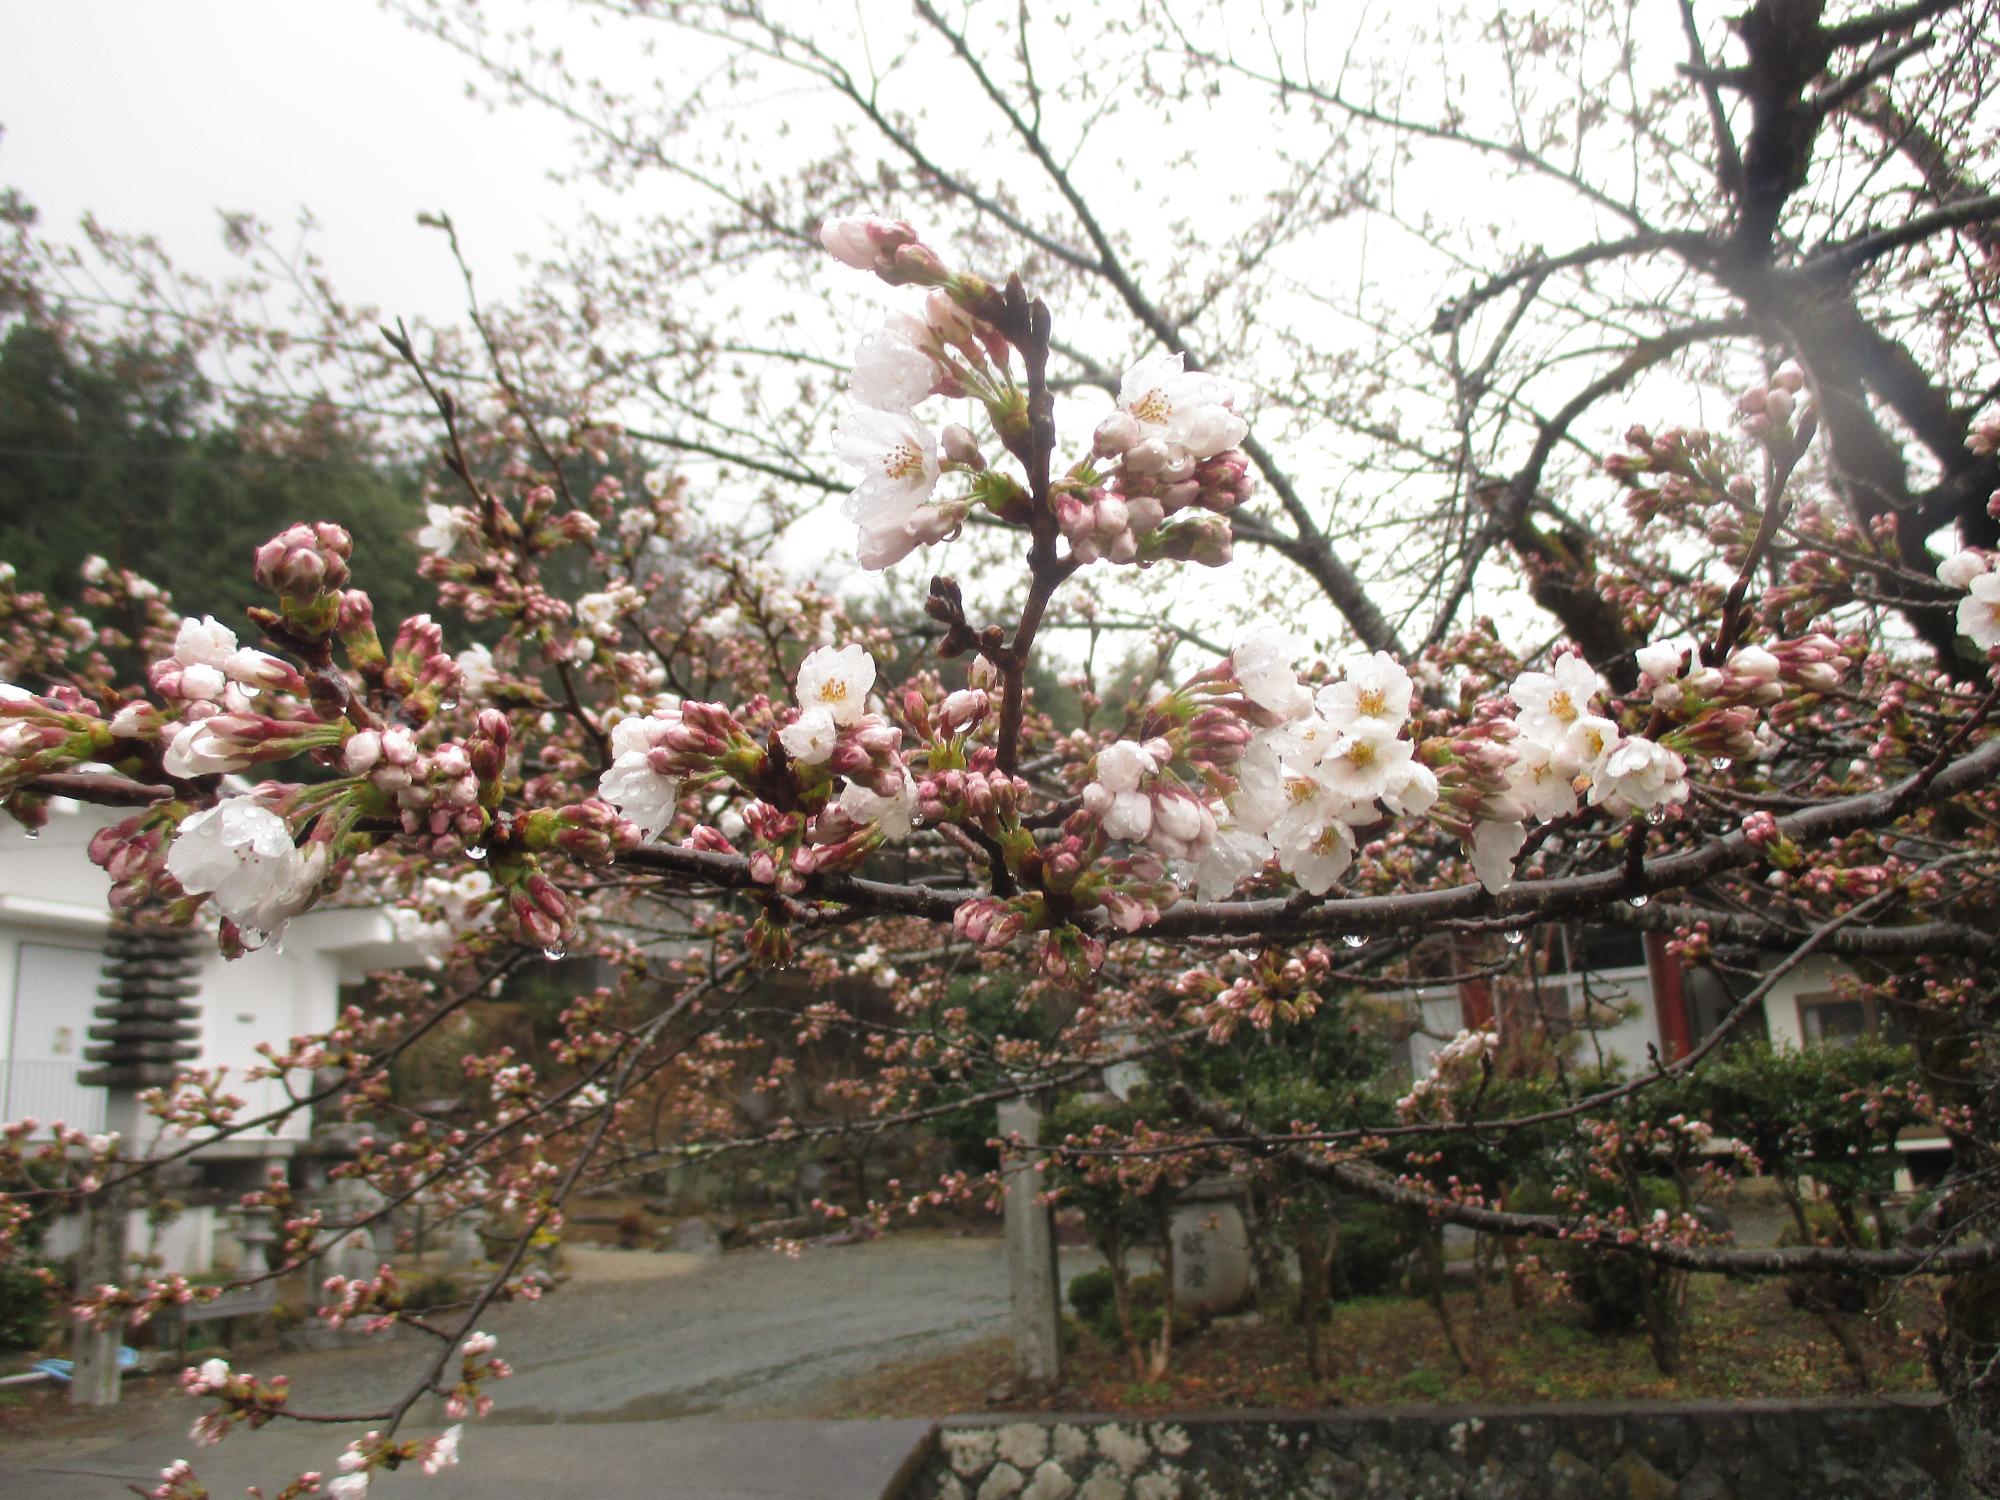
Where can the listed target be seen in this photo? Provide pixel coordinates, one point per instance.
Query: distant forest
(108, 451)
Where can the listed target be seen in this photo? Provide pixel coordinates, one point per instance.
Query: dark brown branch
(1524, 902)
(101, 788)
(1374, 1183)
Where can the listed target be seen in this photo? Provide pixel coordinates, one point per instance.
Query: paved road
(688, 1382)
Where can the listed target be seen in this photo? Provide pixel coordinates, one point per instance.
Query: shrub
(1094, 1298)
(1372, 1252)
(1611, 1289)
(1090, 1294)
(27, 1305)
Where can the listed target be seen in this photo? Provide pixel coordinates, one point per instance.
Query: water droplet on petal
(1720, 763)
(446, 705)
(1656, 816)
(1515, 937)
(248, 689)
(1354, 940)
(34, 833)
(554, 953)
(475, 851)
(1637, 901)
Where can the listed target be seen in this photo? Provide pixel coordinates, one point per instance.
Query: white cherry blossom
(1263, 661)
(1121, 766)
(1260, 786)
(197, 750)
(1493, 847)
(443, 1452)
(1125, 815)
(446, 525)
(897, 456)
(1373, 690)
(891, 372)
(1230, 858)
(204, 643)
(1410, 789)
(895, 815)
(598, 613)
(1188, 411)
(1362, 760)
(1304, 740)
(243, 853)
(1309, 805)
(1589, 741)
(1542, 778)
(1550, 703)
(1638, 776)
(837, 681)
(1320, 858)
(476, 672)
(809, 739)
(1979, 612)
(1958, 570)
(1661, 660)
(1183, 825)
(643, 796)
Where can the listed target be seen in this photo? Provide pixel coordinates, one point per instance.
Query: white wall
(52, 903)
(1601, 1029)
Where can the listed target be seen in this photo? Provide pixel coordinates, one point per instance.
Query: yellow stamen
(902, 462)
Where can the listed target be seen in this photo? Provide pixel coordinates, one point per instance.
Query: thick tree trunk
(1966, 1360)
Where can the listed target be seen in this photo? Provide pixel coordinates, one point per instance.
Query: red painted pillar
(1670, 1007)
(1475, 1003)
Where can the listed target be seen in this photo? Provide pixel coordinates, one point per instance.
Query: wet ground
(657, 1365)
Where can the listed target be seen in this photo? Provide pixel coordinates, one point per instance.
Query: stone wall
(1744, 1450)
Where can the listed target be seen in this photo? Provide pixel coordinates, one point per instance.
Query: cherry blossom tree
(1732, 688)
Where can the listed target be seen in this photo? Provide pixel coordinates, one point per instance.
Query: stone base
(1746, 1450)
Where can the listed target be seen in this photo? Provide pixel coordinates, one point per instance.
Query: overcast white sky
(154, 116)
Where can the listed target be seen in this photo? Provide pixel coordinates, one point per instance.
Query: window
(1592, 950)
(1827, 1019)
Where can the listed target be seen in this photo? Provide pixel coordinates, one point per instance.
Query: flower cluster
(1324, 764)
(1168, 447)
(242, 852)
(1563, 743)
(1979, 610)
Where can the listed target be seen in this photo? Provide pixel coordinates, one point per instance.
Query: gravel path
(633, 1338)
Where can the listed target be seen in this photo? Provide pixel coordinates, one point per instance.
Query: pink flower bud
(960, 446)
(1116, 435)
(864, 243)
(962, 709)
(1143, 514)
(361, 752)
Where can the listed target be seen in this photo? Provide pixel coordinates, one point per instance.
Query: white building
(53, 921)
(1627, 1001)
